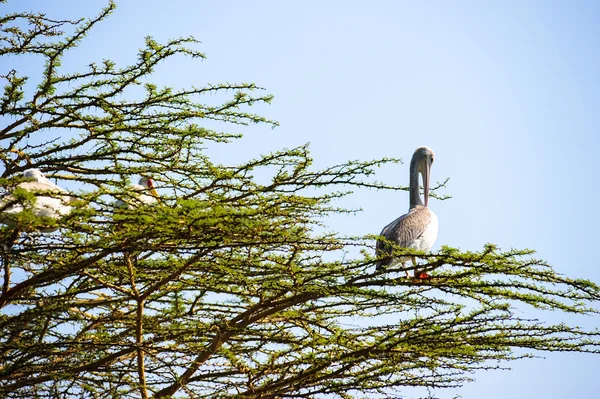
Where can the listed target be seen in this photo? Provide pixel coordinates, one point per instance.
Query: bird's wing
(47, 186)
(137, 195)
(410, 227)
(384, 248)
(402, 232)
(42, 186)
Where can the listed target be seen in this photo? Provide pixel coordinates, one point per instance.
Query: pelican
(419, 227)
(145, 193)
(52, 206)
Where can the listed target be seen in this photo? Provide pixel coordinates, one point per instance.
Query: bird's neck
(413, 188)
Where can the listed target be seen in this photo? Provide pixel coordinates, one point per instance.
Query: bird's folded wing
(405, 230)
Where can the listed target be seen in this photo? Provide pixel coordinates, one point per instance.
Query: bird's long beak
(426, 182)
(153, 189)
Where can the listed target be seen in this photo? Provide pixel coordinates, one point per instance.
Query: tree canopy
(229, 287)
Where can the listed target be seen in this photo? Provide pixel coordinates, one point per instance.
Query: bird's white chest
(139, 197)
(426, 240)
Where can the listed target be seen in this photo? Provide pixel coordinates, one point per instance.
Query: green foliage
(226, 288)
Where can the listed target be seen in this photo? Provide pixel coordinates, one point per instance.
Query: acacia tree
(224, 289)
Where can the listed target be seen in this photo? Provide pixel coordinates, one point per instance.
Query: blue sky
(506, 93)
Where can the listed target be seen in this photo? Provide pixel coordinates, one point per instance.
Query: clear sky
(507, 93)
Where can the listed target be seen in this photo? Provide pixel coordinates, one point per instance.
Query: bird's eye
(431, 159)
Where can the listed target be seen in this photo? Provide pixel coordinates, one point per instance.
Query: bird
(54, 205)
(144, 193)
(416, 229)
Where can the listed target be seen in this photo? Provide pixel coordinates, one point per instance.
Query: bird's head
(34, 174)
(148, 182)
(423, 158)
